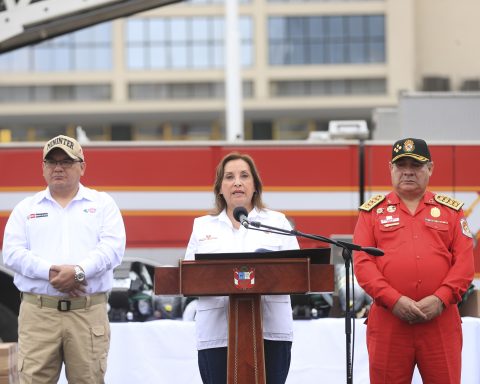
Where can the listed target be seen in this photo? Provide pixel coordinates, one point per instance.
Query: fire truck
(161, 187)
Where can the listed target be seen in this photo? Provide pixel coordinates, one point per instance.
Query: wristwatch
(79, 274)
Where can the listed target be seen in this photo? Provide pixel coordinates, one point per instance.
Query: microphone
(373, 251)
(241, 215)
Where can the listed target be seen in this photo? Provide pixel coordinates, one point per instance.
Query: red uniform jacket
(428, 253)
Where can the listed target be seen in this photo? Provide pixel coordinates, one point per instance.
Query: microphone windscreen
(239, 211)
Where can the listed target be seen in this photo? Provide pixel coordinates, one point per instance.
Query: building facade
(160, 75)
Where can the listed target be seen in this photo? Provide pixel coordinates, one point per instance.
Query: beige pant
(47, 338)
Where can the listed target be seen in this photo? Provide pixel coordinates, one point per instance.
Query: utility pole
(233, 80)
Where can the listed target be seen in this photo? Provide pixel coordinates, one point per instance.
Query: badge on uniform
(465, 228)
(435, 212)
(391, 208)
(390, 221)
(37, 215)
(379, 211)
(208, 237)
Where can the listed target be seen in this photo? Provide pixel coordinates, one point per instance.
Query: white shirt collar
(83, 193)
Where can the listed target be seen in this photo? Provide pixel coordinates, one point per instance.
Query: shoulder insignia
(449, 202)
(465, 229)
(370, 204)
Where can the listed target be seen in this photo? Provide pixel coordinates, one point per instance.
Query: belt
(64, 304)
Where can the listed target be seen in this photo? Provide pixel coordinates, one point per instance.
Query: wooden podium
(244, 280)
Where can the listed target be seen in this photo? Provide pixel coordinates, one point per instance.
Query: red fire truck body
(161, 188)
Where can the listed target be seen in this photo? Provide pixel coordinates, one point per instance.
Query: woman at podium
(238, 184)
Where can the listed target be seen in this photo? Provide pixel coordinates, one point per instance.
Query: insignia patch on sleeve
(370, 204)
(465, 228)
(449, 202)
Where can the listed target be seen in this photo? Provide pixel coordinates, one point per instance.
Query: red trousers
(395, 347)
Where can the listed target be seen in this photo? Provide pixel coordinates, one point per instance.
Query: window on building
(285, 129)
(318, 40)
(183, 43)
(88, 49)
(148, 131)
(49, 93)
(96, 132)
(193, 131)
(259, 130)
(44, 132)
(199, 91)
(20, 94)
(315, 88)
(177, 130)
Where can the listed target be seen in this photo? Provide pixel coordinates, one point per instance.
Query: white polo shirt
(216, 234)
(88, 232)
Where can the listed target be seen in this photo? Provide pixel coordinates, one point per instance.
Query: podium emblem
(244, 277)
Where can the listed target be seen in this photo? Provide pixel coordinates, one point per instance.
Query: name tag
(390, 220)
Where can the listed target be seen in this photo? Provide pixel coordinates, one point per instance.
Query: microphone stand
(347, 250)
(347, 258)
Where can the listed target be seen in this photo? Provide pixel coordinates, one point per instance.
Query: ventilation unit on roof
(436, 84)
(470, 85)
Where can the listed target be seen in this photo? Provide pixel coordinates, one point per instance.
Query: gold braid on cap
(420, 158)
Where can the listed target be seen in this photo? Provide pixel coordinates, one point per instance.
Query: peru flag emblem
(244, 277)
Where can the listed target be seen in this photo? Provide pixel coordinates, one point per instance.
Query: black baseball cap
(415, 148)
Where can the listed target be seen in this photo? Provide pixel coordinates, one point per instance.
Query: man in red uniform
(416, 285)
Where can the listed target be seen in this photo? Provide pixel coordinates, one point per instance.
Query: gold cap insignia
(408, 146)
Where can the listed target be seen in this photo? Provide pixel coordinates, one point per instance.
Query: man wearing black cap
(427, 266)
(63, 244)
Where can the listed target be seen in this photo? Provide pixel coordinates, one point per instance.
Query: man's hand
(53, 272)
(432, 306)
(408, 310)
(62, 278)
